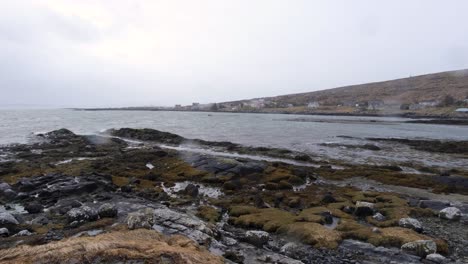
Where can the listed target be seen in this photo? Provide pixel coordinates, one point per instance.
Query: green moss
(269, 219)
(313, 234)
(209, 214)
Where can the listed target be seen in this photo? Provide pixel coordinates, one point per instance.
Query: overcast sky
(69, 53)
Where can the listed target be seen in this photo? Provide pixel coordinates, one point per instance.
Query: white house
(313, 104)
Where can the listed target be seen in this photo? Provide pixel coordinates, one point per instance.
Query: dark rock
(107, 210)
(327, 218)
(257, 238)
(4, 232)
(364, 209)
(328, 198)
(7, 219)
(33, 208)
(233, 256)
(82, 214)
(126, 188)
(433, 204)
(191, 190)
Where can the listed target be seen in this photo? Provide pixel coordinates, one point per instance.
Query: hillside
(431, 94)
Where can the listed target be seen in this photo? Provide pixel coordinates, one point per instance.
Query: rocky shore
(146, 196)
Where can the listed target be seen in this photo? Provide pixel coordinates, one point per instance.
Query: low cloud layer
(66, 53)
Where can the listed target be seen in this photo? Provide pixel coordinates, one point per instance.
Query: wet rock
(4, 232)
(364, 208)
(107, 210)
(23, 233)
(436, 258)
(33, 208)
(171, 221)
(327, 218)
(41, 220)
(349, 209)
(143, 218)
(53, 235)
(4, 186)
(410, 223)
(450, 213)
(9, 194)
(191, 190)
(7, 219)
(234, 256)
(433, 204)
(328, 198)
(257, 238)
(379, 217)
(82, 214)
(420, 248)
(126, 188)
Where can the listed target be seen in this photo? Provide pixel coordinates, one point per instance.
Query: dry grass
(141, 245)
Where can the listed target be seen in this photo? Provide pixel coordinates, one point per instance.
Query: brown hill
(445, 91)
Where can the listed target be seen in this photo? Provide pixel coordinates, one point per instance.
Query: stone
(450, 213)
(257, 238)
(411, 223)
(34, 208)
(4, 232)
(233, 256)
(191, 190)
(107, 210)
(4, 186)
(379, 217)
(364, 208)
(82, 214)
(143, 218)
(23, 233)
(40, 220)
(7, 219)
(9, 194)
(420, 248)
(436, 258)
(328, 198)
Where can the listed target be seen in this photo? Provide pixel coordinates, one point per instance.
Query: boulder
(328, 198)
(23, 233)
(4, 232)
(257, 238)
(411, 223)
(420, 248)
(4, 186)
(7, 219)
(364, 208)
(34, 208)
(143, 218)
(379, 217)
(191, 190)
(9, 194)
(82, 214)
(107, 210)
(450, 213)
(436, 258)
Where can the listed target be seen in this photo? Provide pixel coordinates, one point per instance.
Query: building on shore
(313, 104)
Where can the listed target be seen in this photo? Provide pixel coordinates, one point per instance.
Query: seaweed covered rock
(82, 214)
(107, 210)
(420, 248)
(141, 219)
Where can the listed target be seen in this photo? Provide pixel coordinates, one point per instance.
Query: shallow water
(269, 130)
